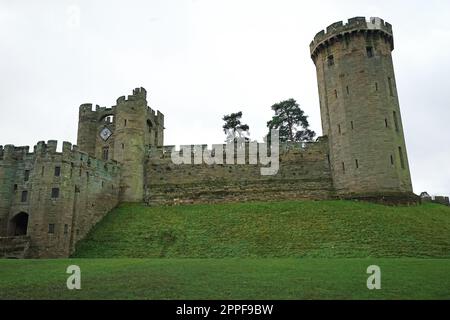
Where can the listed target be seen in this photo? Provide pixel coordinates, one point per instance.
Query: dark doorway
(19, 224)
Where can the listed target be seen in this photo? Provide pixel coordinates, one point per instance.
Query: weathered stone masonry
(50, 200)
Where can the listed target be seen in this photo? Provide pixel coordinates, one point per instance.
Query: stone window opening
(125, 123)
(339, 129)
(105, 153)
(330, 60)
(123, 146)
(348, 90)
(351, 124)
(26, 175)
(109, 119)
(394, 114)
(357, 163)
(24, 197)
(66, 229)
(376, 86)
(392, 159)
(402, 160)
(370, 52)
(386, 122)
(15, 188)
(391, 87)
(57, 171)
(335, 94)
(51, 228)
(55, 193)
(343, 167)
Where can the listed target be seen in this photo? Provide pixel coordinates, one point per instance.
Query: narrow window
(51, 228)
(24, 196)
(328, 158)
(55, 193)
(376, 86)
(370, 53)
(386, 122)
(57, 171)
(395, 120)
(330, 61)
(335, 93)
(43, 171)
(392, 159)
(26, 175)
(79, 173)
(339, 128)
(402, 161)
(15, 188)
(357, 163)
(348, 90)
(391, 88)
(343, 167)
(66, 229)
(123, 146)
(105, 154)
(351, 123)
(125, 122)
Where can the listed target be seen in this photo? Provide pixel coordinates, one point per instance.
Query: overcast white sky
(201, 59)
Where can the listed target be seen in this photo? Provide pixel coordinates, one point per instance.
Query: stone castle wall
(62, 194)
(304, 173)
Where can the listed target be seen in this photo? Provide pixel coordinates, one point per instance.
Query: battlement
(43, 149)
(285, 148)
(138, 94)
(357, 24)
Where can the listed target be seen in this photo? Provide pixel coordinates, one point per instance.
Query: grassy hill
(292, 229)
(277, 250)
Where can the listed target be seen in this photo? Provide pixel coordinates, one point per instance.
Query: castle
(50, 200)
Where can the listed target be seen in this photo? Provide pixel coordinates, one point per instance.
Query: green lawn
(321, 229)
(225, 279)
(277, 250)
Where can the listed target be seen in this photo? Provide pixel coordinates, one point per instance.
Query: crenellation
(339, 29)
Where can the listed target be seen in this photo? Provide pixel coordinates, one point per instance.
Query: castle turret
(360, 108)
(129, 143)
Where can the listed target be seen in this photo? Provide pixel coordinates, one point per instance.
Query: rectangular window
(15, 187)
(348, 90)
(26, 175)
(351, 124)
(66, 229)
(105, 154)
(402, 161)
(55, 193)
(343, 167)
(394, 114)
(391, 87)
(339, 128)
(357, 163)
(125, 122)
(392, 159)
(43, 171)
(57, 171)
(386, 123)
(330, 61)
(376, 86)
(24, 196)
(370, 53)
(51, 228)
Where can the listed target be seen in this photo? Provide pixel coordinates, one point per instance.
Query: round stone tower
(360, 108)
